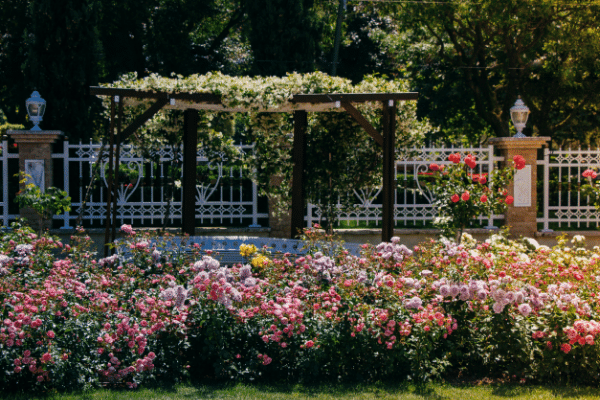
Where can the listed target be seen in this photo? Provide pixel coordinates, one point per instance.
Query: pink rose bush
(460, 195)
(591, 188)
(155, 313)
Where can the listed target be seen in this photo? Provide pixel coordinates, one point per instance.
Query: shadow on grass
(514, 390)
(336, 390)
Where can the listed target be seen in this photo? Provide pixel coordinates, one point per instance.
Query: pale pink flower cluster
(474, 290)
(177, 293)
(393, 251)
(127, 229)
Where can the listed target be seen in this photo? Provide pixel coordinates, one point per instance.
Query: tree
(122, 27)
(546, 52)
(284, 36)
(62, 62)
(366, 29)
(13, 54)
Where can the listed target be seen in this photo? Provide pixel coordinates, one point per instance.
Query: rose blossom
(519, 162)
(455, 198)
(455, 158)
(470, 161)
(589, 173)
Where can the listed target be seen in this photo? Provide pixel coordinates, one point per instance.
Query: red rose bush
(460, 195)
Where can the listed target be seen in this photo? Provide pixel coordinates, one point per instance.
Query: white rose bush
(160, 313)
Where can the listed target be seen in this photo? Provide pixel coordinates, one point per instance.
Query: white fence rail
(227, 196)
(563, 205)
(7, 197)
(413, 200)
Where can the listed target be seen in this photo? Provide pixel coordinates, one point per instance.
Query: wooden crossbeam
(144, 94)
(142, 119)
(362, 121)
(353, 97)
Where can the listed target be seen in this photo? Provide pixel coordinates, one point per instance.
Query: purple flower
(454, 290)
(415, 302)
(524, 309)
(510, 296)
(445, 290)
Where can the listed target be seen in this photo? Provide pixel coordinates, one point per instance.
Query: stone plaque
(523, 187)
(35, 168)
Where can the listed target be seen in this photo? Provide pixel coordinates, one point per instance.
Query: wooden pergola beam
(353, 97)
(362, 121)
(146, 94)
(142, 119)
(190, 148)
(389, 170)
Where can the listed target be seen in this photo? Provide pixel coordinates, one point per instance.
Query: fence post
(521, 216)
(35, 159)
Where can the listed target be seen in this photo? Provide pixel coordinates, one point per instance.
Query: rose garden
(153, 312)
(161, 311)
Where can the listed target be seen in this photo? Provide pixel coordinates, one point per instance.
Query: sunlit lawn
(344, 392)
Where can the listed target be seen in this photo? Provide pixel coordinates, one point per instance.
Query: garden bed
(497, 309)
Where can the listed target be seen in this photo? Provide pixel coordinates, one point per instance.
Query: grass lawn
(344, 392)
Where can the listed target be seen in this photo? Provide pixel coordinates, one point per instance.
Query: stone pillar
(521, 216)
(35, 158)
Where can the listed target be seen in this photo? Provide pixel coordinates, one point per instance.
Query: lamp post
(35, 109)
(519, 114)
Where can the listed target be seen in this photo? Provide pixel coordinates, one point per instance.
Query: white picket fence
(227, 196)
(413, 200)
(9, 164)
(562, 204)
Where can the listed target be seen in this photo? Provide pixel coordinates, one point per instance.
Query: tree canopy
(469, 60)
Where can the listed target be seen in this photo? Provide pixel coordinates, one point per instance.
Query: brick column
(521, 216)
(35, 147)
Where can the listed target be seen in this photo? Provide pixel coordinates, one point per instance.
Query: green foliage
(6, 126)
(52, 201)
(460, 195)
(62, 63)
(490, 52)
(283, 35)
(355, 160)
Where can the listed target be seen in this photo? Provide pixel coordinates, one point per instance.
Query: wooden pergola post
(389, 169)
(190, 147)
(386, 139)
(109, 192)
(298, 203)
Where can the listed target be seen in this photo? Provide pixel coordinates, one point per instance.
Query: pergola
(300, 105)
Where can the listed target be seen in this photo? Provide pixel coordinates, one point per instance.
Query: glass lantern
(35, 109)
(519, 114)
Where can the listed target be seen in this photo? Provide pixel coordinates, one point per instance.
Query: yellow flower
(259, 261)
(246, 250)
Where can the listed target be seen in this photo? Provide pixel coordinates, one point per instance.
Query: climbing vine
(341, 157)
